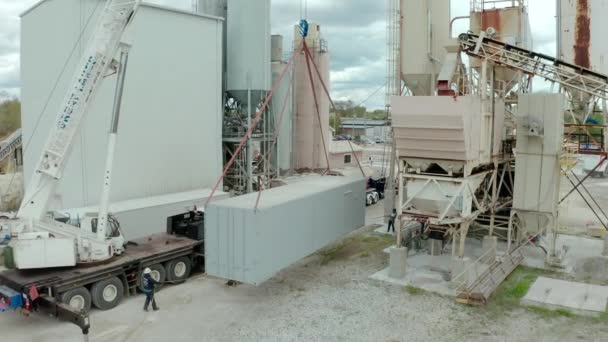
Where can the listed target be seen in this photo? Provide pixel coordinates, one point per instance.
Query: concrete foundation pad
(427, 280)
(560, 294)
(461, 272)
(489, 247)
(383, 230)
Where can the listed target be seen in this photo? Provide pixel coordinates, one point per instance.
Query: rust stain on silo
(491, 18)
(582, 34)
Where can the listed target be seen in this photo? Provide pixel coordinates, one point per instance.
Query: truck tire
(107, 293)
(78, 298)
(179, 269)
(158, 273)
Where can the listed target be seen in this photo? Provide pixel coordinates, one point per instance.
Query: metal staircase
(10, 144)
(478, 292)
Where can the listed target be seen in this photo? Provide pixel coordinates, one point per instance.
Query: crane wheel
(107, 293)
(78, 298)
(178, 269)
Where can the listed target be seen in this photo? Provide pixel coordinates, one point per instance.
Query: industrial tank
(424, 34)
(582, 33)
(283, 98)
(309, 134)
(510, 20)
(248, 50)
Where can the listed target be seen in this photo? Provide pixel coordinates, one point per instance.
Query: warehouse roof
(343, 146)
(166, 8)
(355, 123)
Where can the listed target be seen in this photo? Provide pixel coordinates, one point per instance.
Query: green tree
(10, 116)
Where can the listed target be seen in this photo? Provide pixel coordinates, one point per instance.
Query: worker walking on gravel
(149, 284)
(391, 221)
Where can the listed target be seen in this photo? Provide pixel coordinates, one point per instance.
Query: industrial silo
(424, 36)
(248, 75)
(248, 50)
(582, 29)
(311, 129)
(507, 21)
(282, 102)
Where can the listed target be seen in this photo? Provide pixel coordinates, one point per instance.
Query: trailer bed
(153, 249)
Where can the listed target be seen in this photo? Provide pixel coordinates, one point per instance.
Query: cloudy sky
(355, 30)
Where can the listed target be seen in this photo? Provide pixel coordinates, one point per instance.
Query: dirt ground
(326, 297)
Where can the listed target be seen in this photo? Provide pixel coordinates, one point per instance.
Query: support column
(494, 199)
(249, 168)
(397, 262)
(399, 203)
(464, 229)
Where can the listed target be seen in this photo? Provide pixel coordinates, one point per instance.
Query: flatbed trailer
(69, 293)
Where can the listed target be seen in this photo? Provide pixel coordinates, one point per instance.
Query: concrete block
(397, 262)
(461, 272)
(596, 231)
(489, 246)
(435, 247)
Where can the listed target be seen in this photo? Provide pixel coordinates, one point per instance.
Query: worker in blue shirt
(149, 284)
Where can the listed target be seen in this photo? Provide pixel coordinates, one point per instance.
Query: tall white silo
(282, 102)
(424, 35)
(582, 29)
(310, 132)
(247, 84)
(248, 49)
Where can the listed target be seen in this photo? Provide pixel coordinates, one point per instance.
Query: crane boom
(87, 79)
(40, 242)
(570, 76)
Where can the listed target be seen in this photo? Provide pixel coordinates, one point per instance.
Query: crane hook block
(303, 28)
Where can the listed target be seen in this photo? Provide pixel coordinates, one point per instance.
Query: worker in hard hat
(148, 285)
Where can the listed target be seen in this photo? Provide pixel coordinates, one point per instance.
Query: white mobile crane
(63, 269)
(37, 240)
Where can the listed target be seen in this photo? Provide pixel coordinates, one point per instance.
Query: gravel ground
(326, 297)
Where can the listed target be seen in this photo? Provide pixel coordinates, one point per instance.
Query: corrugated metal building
(291, 222)
(169, 137)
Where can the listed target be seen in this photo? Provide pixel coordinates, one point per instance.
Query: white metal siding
(537, 179)
(292, 222)
(170, 130)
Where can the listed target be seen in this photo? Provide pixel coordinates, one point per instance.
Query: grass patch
(362, 245)
(330, 254)
(549, 313)
(414, 291)
(514, 288)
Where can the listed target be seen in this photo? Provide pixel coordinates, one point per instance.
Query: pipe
(453, 20)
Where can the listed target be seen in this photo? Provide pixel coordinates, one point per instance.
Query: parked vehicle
(371, 197)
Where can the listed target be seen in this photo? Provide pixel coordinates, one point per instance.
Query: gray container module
(291, 222)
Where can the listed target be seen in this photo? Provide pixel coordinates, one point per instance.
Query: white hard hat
(147, 270)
